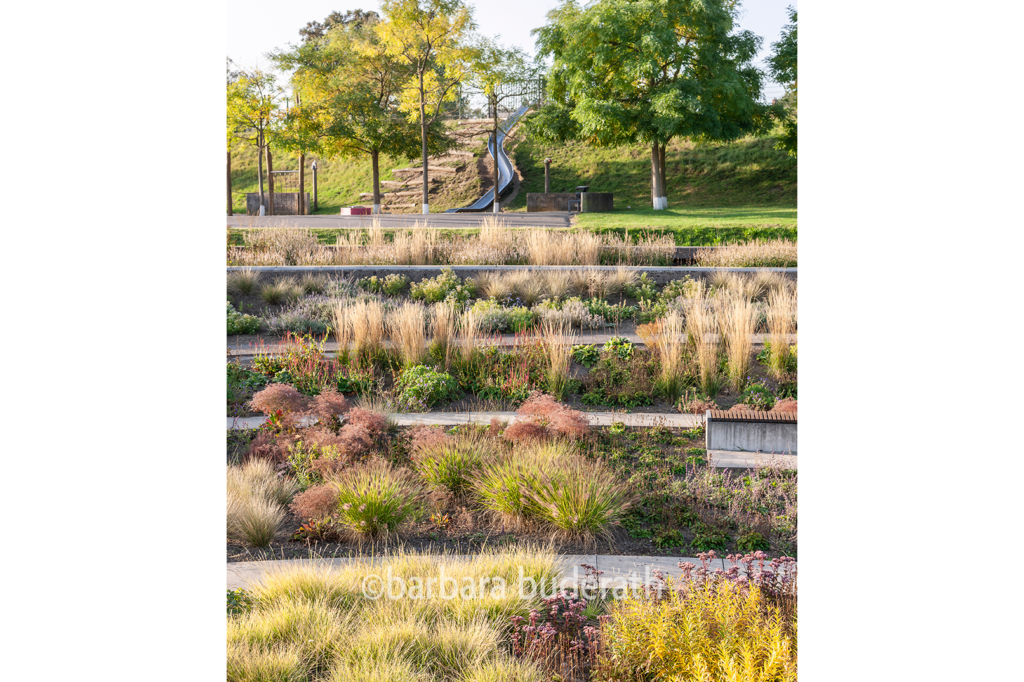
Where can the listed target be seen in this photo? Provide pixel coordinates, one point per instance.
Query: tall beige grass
(406, 327)
(703, 332)
(366, 322)
(557, 344)
(774, 253)
(444, 321)
(782, 316)
(738, 317)
(557, 283)
(670, 345)
(341, 327)
(256, 499)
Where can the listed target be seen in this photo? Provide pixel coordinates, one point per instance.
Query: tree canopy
(645, 71)
(782, 67)
(316, 29)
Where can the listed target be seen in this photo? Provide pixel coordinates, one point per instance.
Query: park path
(389, 221)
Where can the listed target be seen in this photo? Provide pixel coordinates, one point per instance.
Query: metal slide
(485, 202)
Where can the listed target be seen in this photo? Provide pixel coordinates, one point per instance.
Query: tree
(349, 86)
(429, 36)
(628, 71)
(315, 30)
(782, 68)
(252, 101)
(502, 74)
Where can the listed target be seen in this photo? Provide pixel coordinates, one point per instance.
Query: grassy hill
(741, 184)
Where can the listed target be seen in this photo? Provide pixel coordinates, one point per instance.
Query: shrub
(758, 396)
(586, 354)
(423, 387)
(375, 423)
(447, 464)
(712, 629)
(571, 312)
(239, 323)
(328, 405)
(296, 324)
(695, 402)
(281, 398)
(422, 437)
(375, 499)
(642, 290)
(391, 285)
(553, 418)
(620, 346)
(614, 381)
(315, 503)
(445, 287)
(785, 405)
(493, 317)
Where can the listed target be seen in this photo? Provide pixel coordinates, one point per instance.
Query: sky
(256, 27)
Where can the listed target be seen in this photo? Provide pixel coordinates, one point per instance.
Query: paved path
(518, 219)
(675, 420)
(618, 570)
(242, 346)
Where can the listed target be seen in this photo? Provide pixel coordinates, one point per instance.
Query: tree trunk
(259, 173)
(657, 182)
(423, 136)
(270, 182)
(302, 179)
(230, 211)
(316, 203)
(496, 208)
(664, 176)
(375, 157)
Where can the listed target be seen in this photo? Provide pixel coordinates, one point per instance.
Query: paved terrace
(619, 571)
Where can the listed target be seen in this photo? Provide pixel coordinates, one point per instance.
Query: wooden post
(316, 205)
(270, 183)
(302, 181)
(230, 213)
(547, 175)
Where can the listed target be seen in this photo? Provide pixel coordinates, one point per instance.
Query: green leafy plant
(666, 538)
(758, 396)
(706, 538)
(586, 354)
(239, 601)
(752, 542)
(445, 287)
(620, 346)
(239, 323)
(390, 285)
(643, 290)
(421, 387)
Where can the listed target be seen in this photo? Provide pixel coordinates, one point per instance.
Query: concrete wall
(751, 436)
(285, 203)
(596, 202)
(553, 201)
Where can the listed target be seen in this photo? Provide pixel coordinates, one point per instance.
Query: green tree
(501, 75)
(782, 68)
(349, 88)
(252, 102)
(645, 71)
(430, 37)
(315, 29)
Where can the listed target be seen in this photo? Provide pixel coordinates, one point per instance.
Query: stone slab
(673, 420)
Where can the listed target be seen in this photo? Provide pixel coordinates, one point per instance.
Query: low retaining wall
(659, 275)
(285, 203)
(764, 432)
